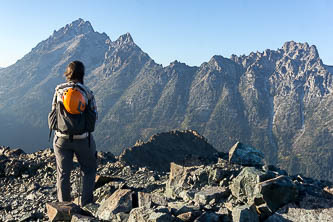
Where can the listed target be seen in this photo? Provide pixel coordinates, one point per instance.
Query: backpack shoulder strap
(53, 108)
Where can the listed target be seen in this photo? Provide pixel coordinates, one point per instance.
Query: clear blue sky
(183, 30)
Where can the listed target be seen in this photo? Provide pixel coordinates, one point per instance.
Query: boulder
(160, 217)
(119, 201)
(104, 192)
(91, 209)
(208, 194)
(216, 175)
(178, 179)
(14, 168)
(243, 185)
(187, 195)
(148, 200)
(178, 208)
(180, 147)
(245, 155)
(244, 213)
(61, 211)
(185, 178)
(272, 194)
(140, 214)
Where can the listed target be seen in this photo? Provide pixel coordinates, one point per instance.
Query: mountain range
(279, 101)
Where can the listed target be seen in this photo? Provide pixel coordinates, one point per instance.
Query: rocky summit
(209, 186)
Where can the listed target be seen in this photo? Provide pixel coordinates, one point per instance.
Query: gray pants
(64, 150)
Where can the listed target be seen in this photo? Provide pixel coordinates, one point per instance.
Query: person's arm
(54, 101)
(93, 105)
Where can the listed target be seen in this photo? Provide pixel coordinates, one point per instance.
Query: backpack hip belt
(65, 136)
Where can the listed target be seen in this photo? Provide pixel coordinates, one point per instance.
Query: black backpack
(72, 124)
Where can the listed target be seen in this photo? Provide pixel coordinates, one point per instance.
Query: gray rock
(272, 194)
(244, 213)
(148, 200)
(61, 211)
(216, 175)
(184, 208)
(208, 194)
(82, 218)
(91, 208)
(140, 214)
(187, 195)
(183, 178)
(243, 185)
(14, 168)
(160, 217)
(245, 155)
(119, 201)
(176, 206)
(179, 179)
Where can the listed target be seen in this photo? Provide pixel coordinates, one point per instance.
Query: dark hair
(75, 72)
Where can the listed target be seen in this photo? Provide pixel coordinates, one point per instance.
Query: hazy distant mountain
(279, 101)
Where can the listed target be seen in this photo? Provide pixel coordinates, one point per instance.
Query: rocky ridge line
(229, 187)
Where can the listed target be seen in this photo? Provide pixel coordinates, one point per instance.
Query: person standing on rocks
(73, 118)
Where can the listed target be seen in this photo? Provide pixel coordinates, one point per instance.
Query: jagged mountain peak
(218, 62)
(177, 63)
(297, 50)
(217, 58)
(125, 39)
(69, 36)
(77, 27)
